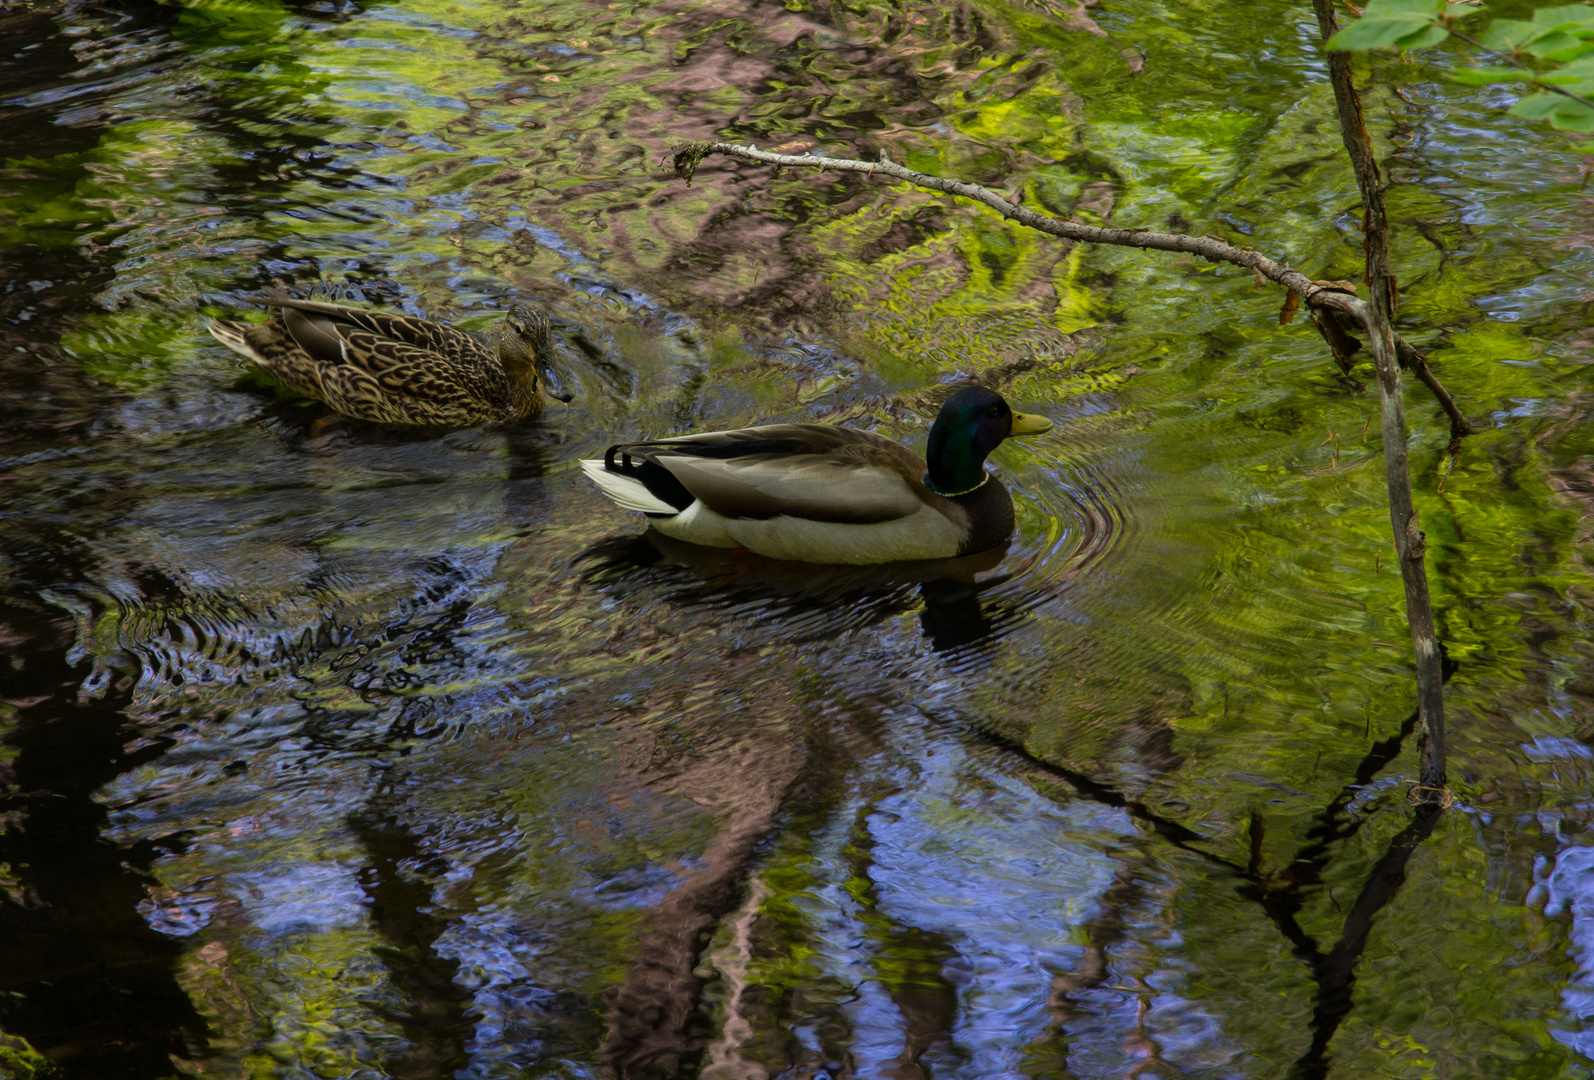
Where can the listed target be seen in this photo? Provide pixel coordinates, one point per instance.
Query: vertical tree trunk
(1409, 540)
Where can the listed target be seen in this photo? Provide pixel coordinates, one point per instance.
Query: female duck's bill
(554, 383)
(826, 494)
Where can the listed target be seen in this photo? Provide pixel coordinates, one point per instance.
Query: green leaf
(1548, 45)
(1537, 106)
(1572, 54)
(1577, 117)
(1578, 76)
(1508, 35)
(1403, 9)
(1565, 55)
(1563, 18)
(1386, 22)
(1426, 38)
(1482, 76)
(1562, 112)
(1376, 33)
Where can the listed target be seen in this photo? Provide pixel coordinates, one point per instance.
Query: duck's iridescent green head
(971, 424)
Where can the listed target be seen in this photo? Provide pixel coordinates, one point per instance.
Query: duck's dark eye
(994, 411)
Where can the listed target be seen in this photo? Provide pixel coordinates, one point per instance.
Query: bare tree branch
(1322, 296)
(1417, 364)
(1409, 539)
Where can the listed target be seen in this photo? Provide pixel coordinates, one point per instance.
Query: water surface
(333, 750)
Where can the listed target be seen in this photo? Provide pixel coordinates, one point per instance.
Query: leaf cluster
(1552, 53)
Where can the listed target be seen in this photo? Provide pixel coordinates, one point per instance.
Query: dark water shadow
(84, 977)
(1335, 971)
(806, 601)
(437, 1017)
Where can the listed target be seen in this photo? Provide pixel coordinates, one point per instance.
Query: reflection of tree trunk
(909, 961)
(1336, 972)
(1333, 823)
(725, 1060)
(1102, 933)
(760, 1034)
(926, 998)
(650, 1014)
(1049, 1055)
(86, 979)
(438, 1022)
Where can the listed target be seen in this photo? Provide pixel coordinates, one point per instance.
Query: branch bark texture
(1409, 539)
(1331, 299)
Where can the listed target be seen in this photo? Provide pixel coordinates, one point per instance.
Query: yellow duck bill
(1028, 424)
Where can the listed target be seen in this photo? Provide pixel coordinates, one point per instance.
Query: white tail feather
(231, 336)
(628, 493)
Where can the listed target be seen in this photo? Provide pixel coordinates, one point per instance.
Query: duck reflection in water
(805, 601)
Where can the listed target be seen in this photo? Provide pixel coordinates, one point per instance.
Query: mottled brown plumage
(397, 369)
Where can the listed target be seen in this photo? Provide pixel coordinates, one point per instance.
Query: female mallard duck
(396, 369)
(825, 494)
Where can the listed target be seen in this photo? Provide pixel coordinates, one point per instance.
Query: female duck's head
(971, 424)
(525, 345)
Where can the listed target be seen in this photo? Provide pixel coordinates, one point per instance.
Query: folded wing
(816, 472)
(334, 334)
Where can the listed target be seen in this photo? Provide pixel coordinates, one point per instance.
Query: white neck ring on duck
(954, 494)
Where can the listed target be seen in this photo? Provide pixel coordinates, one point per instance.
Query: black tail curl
(660, 482)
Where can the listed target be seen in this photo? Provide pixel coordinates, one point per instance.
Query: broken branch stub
(689, 157)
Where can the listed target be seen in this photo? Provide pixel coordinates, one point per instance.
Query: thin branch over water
(1331, 299)
(1409, 539)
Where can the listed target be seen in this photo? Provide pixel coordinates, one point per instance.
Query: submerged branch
(1417, 364)
(1324, 296)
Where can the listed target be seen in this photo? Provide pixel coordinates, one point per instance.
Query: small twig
(1437, 796)
(1417, 364)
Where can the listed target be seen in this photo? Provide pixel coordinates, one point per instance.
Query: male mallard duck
(396, 369)
(825, 494)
